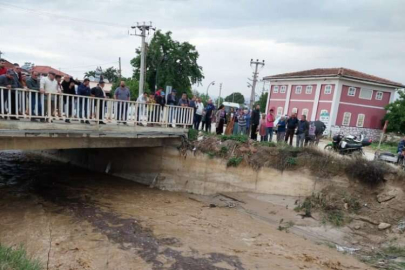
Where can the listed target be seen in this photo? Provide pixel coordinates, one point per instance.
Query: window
(351, 92)
(279, 111)
(283, 89)
(298, 89)
(308, 89)
(360, 120)
(305, 112)
(294, 110)
(366, 94)
(275, 89)
(346, 119)
(328, 90)
(379, 96)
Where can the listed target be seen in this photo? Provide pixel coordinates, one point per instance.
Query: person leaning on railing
(48, 86)
(33, 84)
(68, 87)
(84, 90)
(98, 92)
(6, 81)
(122, 93)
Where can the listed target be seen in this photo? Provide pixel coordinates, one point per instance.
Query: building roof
(335, 72)
(47, 69)
(7, 64)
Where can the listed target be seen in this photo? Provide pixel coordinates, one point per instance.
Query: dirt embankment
(75, 219)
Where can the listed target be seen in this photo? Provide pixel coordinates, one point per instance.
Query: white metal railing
(31, 104)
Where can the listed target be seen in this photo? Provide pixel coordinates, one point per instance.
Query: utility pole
(144, 29)
(119, 68)
(219, 98)
(255, 74)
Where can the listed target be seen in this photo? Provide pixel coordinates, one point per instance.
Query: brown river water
(70, 218)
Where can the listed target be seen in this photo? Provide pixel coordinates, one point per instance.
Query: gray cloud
(291, 35)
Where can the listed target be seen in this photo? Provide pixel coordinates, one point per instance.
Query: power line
(45, 13)
(70, 68)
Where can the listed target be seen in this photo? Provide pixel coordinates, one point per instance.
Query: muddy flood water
(70, 218)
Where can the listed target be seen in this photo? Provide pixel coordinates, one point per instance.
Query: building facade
(347, 101)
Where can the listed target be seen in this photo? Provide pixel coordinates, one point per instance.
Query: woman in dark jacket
(220, 119)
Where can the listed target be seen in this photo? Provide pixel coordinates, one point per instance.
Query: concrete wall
(165, 168)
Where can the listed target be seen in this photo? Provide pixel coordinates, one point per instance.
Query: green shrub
(336, 217)
(367, 172)
(17, 258)
(234, 161)
(211, 154)
(268, 144)
(192, 134)
(224, 151)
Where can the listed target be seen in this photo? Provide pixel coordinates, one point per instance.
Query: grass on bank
(385, 147)
(385, 258)
(17, 259)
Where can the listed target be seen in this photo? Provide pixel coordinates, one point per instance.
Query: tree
(111, 74)
(132, 84)
(262, 102)
(169, 62)
(396, 114)
(91, 73)
(236, 97)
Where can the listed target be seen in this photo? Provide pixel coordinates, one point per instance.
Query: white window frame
(279, 111)
(294, 110)
(329, 87)
(346, 123)
(296, 89)
(275, 89)
(379, 95)
(358, 117)
(283, 89)
(308, 89)
(305, 112)
(354, 91)
(363, 90)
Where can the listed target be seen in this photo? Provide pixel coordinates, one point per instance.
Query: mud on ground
(74, 219)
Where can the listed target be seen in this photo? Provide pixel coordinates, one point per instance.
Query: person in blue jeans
(84, 90)
(33, 84)
(302, 131)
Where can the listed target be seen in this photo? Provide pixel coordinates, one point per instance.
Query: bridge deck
(27, 135)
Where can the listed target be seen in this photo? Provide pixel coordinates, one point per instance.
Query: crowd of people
(255, 124)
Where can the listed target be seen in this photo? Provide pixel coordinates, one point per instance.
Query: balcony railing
(31, 104)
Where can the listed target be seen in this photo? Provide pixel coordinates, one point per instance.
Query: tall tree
(262, 102)
(169, 62)
(396, 114)
(111, 74)
(236, 97)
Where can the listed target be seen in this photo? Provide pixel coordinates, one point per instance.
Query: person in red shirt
(3, 69)
(270, 124)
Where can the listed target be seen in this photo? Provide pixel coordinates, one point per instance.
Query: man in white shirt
(49, 85)
(199, 107)
(142, 100)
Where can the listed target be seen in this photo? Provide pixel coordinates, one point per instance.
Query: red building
(347, 101)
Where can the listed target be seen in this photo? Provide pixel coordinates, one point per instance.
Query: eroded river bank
(71, 218)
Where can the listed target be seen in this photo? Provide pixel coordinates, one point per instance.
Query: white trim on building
(361, 105)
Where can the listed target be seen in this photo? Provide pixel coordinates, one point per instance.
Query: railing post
(2, 101)
(96, 112)
(49, 107)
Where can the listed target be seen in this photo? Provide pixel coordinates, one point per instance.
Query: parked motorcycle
(347, 145)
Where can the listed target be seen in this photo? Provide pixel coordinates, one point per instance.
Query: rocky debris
(387, 195)
(383, 226)
(367, 219)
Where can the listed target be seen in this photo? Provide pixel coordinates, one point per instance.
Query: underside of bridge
(23, 135)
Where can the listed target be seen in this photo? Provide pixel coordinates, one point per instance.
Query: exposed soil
(75, 219)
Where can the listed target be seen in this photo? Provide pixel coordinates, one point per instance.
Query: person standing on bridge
(209, 111)
(98, 92)
(122, 93)
(292, 124)
(6, 81)
(172, 101)
(68, 87)
(255, 122)
(84, 90)
(33, 84)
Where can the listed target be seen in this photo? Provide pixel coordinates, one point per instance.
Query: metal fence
(31, 104)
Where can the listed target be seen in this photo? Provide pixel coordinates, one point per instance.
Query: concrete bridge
(34, 121)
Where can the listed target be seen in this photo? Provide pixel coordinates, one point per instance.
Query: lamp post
(211, 83)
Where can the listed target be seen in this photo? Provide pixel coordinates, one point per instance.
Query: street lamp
(211, 83)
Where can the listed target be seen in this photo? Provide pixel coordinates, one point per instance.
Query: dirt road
(75, 219)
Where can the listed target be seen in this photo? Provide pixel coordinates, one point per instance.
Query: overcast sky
(290, 35)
